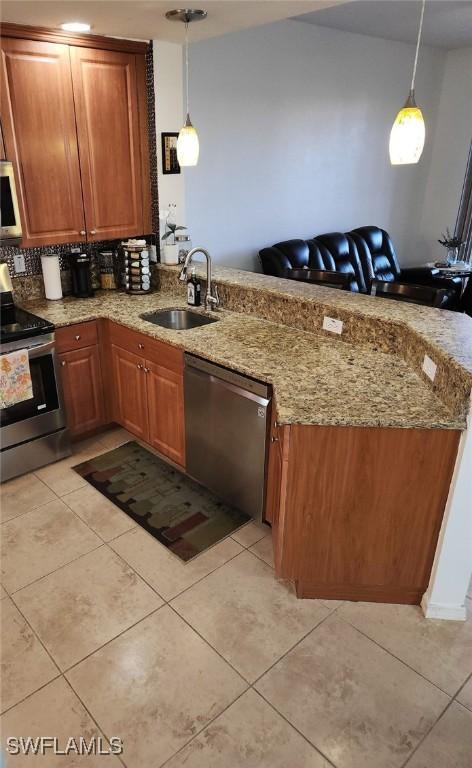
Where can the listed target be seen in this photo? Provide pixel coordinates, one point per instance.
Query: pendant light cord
(186, 64)
(418, 45)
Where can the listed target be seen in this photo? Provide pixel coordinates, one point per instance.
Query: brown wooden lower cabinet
(149, 391)
(82, 388)
(358, 509)
(130, 391)
(165, 398)
(140, 387)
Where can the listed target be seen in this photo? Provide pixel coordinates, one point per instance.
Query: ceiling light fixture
(76, 26)
(408, 131)
(188, 146)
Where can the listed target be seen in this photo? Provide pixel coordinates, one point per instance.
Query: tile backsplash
(28, 284)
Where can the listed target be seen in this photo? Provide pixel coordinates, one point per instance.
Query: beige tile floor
(213, 664)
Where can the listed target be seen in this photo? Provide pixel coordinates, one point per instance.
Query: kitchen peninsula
(363, 443)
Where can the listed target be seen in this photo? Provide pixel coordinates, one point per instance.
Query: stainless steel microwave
(10, 223)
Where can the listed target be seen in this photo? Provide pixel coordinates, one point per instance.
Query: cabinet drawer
(76, 336)
(151, 349)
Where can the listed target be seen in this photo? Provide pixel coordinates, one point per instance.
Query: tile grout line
(280, 714)
(33, 509)
(467, 680)
(195, 735)
(423, 739)
(408, 666)
(40, 578)
(99, 728)
(292, 648)
(207, 642)
(115, 637)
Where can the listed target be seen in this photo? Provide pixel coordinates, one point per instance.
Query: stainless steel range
(32, 432)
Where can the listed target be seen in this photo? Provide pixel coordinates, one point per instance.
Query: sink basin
(177, 319)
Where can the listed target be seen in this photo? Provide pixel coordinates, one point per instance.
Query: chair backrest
(466, 299)
(291, 254)
(338, 253)
(321, 277)
(414, 294)
(377, 254)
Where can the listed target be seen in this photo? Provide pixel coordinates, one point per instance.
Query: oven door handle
(40, 349)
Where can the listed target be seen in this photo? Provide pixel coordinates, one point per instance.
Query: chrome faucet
(212, 300)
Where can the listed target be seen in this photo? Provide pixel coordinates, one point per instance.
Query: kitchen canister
(51, 276)
(106, 260)
(137, 267)
(184, 245)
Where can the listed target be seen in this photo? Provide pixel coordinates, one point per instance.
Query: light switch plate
(332, 325)
(429, 368)
(19, 263)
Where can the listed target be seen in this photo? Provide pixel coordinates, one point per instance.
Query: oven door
(44, 412)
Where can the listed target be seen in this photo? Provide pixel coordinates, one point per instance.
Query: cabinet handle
(140, 346)
(82, 232)
(139, 366)
(146, 370)
(77, 338)
(93, 231)
(274, 439)
(63, 362)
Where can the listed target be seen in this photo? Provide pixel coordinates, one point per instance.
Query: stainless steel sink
(177, 319)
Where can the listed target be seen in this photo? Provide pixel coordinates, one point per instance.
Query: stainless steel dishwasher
(226, 424)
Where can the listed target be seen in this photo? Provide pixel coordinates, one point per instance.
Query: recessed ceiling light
(76, 26)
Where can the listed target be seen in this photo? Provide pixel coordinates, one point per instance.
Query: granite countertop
(449, 331)
(316, 380)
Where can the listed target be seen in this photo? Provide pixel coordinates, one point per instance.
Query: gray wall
(294, 122)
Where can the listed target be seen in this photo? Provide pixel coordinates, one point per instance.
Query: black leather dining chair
(379, 262)
(466, 298)
(325, 277)
(414, 294)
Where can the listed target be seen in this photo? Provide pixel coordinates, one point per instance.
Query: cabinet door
(105, 92)
(38, 121)
(83, 392)
(165, 391)
(130, 391)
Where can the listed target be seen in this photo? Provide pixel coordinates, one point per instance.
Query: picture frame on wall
(170, 164)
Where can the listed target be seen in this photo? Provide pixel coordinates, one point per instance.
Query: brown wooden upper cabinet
(74, 121)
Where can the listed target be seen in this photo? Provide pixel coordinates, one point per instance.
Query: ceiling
(145, 20)
(447, 23)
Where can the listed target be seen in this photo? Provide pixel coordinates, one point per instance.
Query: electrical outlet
(429, 368)
(19, 263)
(332, 325)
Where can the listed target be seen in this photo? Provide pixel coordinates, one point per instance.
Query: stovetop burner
(18, 324)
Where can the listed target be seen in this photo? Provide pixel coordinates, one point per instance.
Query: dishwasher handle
(237, 390)
(246, 384)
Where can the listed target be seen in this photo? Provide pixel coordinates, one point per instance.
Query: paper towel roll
(51, 276)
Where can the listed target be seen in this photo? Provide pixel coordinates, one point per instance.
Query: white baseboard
(446, 611)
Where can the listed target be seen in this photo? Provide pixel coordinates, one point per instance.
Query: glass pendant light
(188, 146)
(408, 131)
